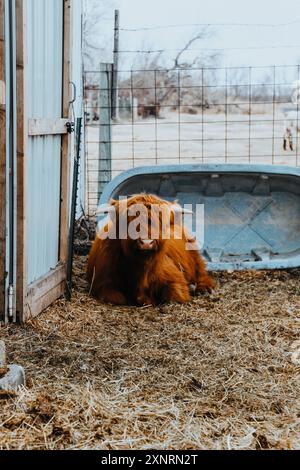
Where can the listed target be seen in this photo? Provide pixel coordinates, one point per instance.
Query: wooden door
(43, 147)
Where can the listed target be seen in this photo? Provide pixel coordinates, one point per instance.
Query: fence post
(115, 104)
(135, 103)
(105, 126)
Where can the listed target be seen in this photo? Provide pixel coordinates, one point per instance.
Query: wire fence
(189, 115)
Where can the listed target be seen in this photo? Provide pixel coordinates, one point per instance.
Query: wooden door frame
(21, 152)
(32, 299)
(66, 138)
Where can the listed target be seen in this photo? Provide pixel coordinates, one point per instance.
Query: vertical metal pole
(226, 115)
(132, 119)
(155, 101)
(202, 115)
(297, 118)
(250, 112)
(115, 107)
(274, 111)
(179, 116)
(73, 208)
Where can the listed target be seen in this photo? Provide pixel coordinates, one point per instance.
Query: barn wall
(43, 100)
(77, 78)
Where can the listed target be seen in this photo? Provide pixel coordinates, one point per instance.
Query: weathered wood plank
(66, 140)
(22, 133)
(2, 87)
(37, 127)
(44, 291)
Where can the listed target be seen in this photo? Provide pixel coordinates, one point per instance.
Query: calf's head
(143, 222)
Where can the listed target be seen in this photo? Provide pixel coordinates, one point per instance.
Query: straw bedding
(219, 373)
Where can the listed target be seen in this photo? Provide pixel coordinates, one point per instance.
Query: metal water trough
(252, 212)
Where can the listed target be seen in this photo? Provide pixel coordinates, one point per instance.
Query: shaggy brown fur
(121, 272)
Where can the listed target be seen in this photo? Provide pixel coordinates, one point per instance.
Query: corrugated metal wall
(77, 78)
(44, 100)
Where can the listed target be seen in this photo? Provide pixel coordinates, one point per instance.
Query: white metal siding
(43, 100)
(78, 105)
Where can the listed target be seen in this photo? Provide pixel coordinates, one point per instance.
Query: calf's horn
(181, 210)
(104, 209)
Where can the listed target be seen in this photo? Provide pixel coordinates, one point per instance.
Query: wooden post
(115, 104)
(22, 132)
(135, 103)
(105, 127)
(2, 164)
(65, 156)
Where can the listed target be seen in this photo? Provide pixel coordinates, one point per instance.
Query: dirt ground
(221, 372)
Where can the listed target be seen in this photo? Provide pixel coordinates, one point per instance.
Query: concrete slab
(14, 378)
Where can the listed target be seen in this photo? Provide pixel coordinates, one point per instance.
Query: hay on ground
(217, 373)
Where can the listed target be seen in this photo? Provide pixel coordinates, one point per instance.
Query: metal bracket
(11, 301)
(70, 127)
(74, 93)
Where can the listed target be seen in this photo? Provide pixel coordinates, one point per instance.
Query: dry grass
(217, 373)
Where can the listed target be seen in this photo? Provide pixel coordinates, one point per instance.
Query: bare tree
(163, 87)
(204, 33)
(97, 46)
(147, 61)
(190, 75)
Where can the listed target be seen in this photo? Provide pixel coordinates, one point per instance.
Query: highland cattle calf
(151, 265)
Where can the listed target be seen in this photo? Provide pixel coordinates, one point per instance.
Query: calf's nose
(146, 244)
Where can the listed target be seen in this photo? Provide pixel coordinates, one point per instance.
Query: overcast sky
(148, 13)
